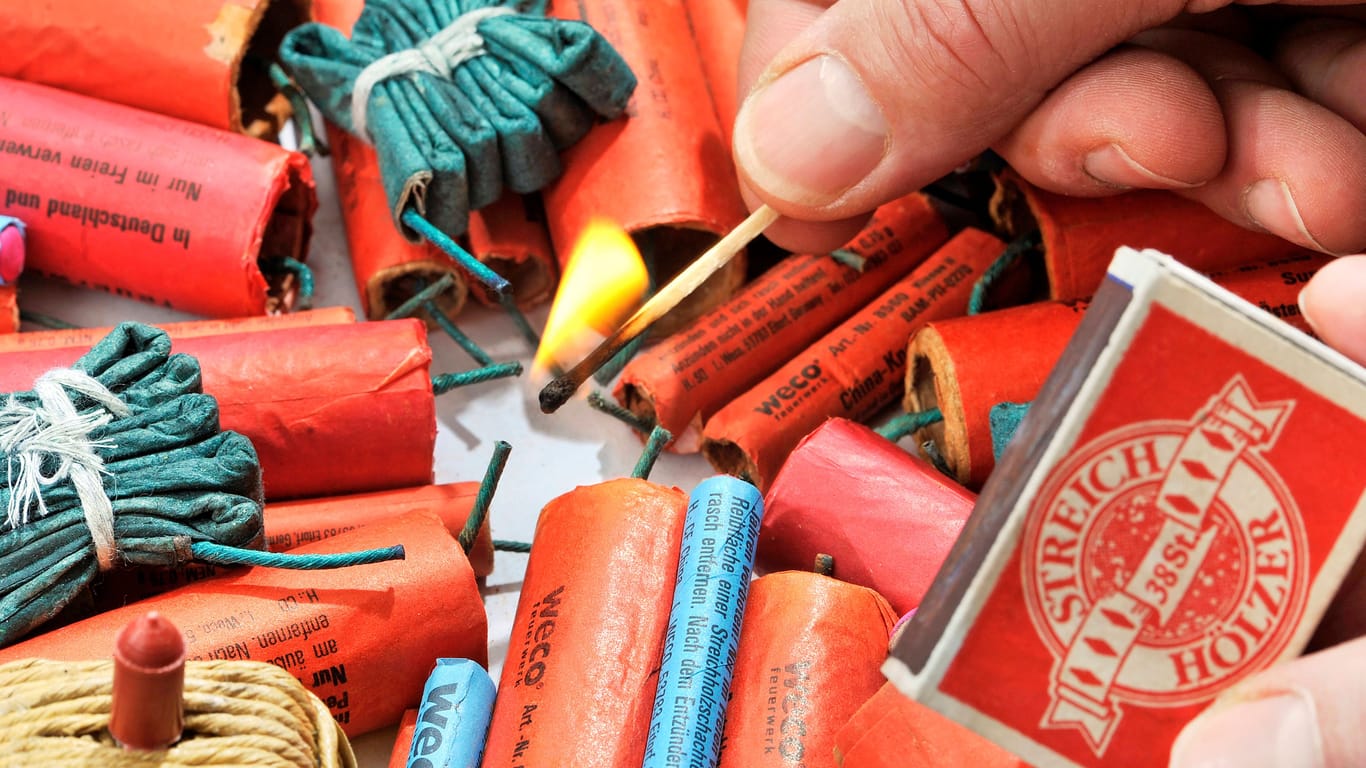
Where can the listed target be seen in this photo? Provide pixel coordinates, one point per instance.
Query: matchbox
(1178, 510)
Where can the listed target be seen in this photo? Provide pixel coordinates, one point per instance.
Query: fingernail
(811, 134)
(1271, 206)
(1113, 167)
(1334, 305)
(1305, 303)
(1280, 731)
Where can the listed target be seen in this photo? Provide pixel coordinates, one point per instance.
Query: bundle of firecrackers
(970, 584)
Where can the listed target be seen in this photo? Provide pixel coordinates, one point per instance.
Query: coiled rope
(236, 713)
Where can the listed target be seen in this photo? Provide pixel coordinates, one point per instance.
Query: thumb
(1306, 713)
(1334, 303)
(879, 97)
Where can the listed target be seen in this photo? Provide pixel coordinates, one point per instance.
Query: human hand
(860, 101)
(856, 102)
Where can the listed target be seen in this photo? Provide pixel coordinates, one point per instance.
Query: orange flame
(602, 284)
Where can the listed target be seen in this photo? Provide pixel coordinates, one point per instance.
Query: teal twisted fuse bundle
(461, 98)
(119, 461)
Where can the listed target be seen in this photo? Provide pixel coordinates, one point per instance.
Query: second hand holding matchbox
(1176, 513)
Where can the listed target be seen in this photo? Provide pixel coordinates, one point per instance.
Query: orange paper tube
(718, 26)
(206, 61)
(331, 409)
(892, 731)
(293, 524)
(151, 207)
(583, 661)
(77, 337)
(1080, 234)
(963, 366)
(388, 269)
(853, 371)
(9, 311)
(510, 237)
(665, 172)
(688, 377)
(810, 652)
(1275, 285)
(403, 742)
(887, 518)
(362, 638)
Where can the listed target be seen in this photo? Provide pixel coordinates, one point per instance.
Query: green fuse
(462, 99)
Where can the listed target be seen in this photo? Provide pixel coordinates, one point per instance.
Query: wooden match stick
(558, 391)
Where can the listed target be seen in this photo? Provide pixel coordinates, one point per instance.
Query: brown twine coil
(237, 713)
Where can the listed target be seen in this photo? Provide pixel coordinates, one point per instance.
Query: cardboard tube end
(638, 399)
(286, 235)
(257, 108)
(729, 458)
(668, 250)
(531, 279)
(931, 383)
(390, 288)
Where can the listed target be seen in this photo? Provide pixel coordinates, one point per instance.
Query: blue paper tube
(457, 704)
(719, 536)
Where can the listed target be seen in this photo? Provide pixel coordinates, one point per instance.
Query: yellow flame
(603, 282)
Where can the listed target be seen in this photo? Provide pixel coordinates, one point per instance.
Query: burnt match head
(557, 393)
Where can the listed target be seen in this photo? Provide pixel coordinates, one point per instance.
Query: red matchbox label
(1185, 528)
(1163, 561)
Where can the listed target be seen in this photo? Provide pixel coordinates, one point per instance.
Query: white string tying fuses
(439, 55)
(31, 436)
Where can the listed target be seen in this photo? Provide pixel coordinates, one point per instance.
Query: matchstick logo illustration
(1163, 561)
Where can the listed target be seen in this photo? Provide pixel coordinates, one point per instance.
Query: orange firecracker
(206, 61)
(1275, 285)
(853, 371)
(965, 365)
(331, 409)
(363, 639)
(150, 207)
(388, 268)
(1079, 235)
(403, 740)
(85, 337)
(844, 492)
(584, 656)
(665, 172)
(718, 26)
(685, 379)
(510, 237)
(892, 731)
(290, 525)
(9, 309)
(810, 653)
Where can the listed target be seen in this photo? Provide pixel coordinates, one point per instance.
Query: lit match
(563, 387)
(604, 281)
